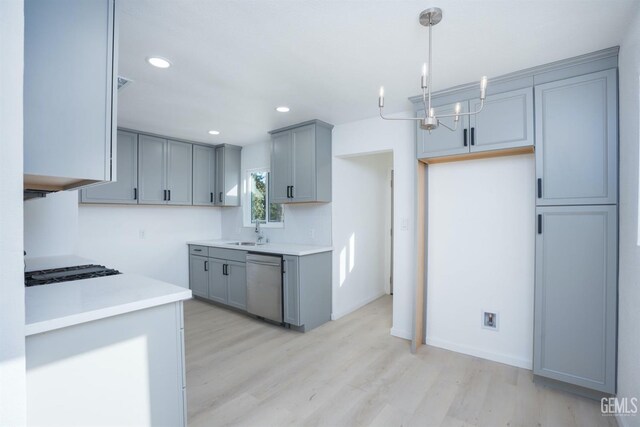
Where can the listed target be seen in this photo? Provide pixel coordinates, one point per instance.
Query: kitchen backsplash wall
(305, 224)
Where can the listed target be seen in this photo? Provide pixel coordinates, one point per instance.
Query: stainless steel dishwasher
(264, 286)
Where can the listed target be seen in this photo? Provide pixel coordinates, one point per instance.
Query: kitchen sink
(244, 243)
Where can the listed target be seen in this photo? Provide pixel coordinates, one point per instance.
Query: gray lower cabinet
(204, 175)
(165, 171)
(199, 275)
(217, 281)
(237, 284)
(307, 290)
(125, 189)
(301, 163)
(227, 182)
(576, 140)
(576, 295)
(221, 280)
(70, 93)
(505, 122)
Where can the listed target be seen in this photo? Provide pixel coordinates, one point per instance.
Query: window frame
(246, 205)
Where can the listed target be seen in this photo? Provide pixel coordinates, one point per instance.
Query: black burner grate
(67, 274)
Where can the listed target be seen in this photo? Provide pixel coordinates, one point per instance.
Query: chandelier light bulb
(423, 80)
(457, 109)
(483, 87)
(432, 112)
(381, 97)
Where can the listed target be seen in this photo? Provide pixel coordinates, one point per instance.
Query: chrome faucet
(258, 231)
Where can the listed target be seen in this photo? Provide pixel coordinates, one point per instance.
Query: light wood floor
(351, 372)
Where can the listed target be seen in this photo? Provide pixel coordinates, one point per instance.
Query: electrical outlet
(142, 234)
(490, 320)
(312, 233)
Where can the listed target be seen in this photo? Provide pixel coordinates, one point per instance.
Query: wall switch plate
(404, 224)
(142, 234)
(490, 320)
(312, 233)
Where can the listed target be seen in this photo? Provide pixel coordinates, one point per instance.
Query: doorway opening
(363, 234)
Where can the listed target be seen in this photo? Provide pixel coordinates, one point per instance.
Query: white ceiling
(234, 61)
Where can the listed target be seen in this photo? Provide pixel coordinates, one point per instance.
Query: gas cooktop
(67, 274)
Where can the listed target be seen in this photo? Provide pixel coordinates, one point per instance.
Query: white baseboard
(472, 351)
(356, 306)
(401, 333)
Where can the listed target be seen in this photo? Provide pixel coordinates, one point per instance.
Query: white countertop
(269, 248)
(59, 305)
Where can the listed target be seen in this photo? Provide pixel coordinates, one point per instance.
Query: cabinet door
(575, 295)
(217, 281)
(151, 170)
(281, 164)
(304, 164)
(179, 173)
(199, 276)
(70, 90)
(228, 176)
(204, 167)
(506, 121)
(291, 290)
(231, 177)
(219, 182)
(443, 142)
(237, 284)
(124, 190)
(576, 140)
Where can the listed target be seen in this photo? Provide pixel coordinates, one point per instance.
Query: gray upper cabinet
(301, 163)
(281, 160)
(199, 276)
(441, 141)
(179, 173)
(575, 296)
(165, 171)
(152, 170)
(204, 175)
(227, 175)
(125, 189)
(506, 121)
(576, 140)
(70, 93)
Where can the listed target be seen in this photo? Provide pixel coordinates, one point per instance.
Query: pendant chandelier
(431, 120)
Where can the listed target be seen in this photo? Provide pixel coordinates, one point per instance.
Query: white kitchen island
(104, 351)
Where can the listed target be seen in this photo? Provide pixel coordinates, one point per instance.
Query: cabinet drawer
(198, 250)
(228, 254)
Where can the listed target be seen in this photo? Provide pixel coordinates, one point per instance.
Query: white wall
(147, 240)
(361, 237)
(12, 345)
(481, 248)
(629, 275)
(51, 225)
(308, 223)
(370, 136)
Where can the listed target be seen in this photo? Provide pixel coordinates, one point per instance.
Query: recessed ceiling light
(214, 132)
(159, 62)
(282, 109)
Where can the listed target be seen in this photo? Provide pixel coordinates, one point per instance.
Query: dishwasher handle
(270, 264)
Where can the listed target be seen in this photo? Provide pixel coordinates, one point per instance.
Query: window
(259, 206)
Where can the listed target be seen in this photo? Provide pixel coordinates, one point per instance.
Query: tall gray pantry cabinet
(577, 233)
(566, 111)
